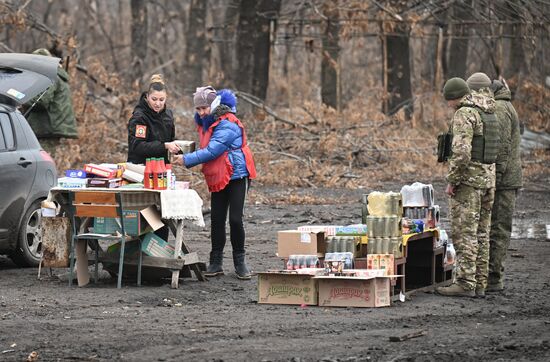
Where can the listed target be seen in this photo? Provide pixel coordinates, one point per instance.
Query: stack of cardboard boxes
(333, 281)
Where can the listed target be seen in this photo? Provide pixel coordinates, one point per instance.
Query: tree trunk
(330, 70)
(517, 52)
(197, 52)
(253, 47)
(229, 54)
(139, 37)
(399, 71)
(455, 64)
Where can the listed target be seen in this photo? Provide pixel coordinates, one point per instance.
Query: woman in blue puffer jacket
(228, 165)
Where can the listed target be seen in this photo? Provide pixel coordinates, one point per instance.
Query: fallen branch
(259, 104)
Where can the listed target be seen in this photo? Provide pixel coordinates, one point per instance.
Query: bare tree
(456, 56)
(330, 68)
(139, 36)
(197, 48)
(398, 70)
(253, 48)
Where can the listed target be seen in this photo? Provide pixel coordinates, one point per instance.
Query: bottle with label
(450, 254)
(164, 184)
(156, 173)
(147, 174)
(169, 176)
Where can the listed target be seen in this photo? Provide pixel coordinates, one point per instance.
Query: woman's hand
(172, 147)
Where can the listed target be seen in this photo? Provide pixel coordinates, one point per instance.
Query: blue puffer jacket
(226, 136)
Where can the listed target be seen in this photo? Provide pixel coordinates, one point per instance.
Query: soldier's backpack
(485, 147)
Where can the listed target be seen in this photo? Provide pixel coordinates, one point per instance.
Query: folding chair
(99, 204)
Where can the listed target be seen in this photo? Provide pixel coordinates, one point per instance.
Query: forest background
(333, 93)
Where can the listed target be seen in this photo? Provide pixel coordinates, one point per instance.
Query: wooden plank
(191, 258)
(177, 253)
(95, 197)
(195, 268)
(147, 261)
(96, 210)
(56, 241)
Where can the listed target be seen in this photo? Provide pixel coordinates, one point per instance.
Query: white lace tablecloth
(181, 204)
(173, 204)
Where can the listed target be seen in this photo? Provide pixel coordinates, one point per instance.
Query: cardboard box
(136, 222)
(108, 183)
(386, 262)
(71, 182)
(154, 245)
(330, 230)
(291, 242)
(373, 261)
(286, 288)
(354, 291)
(100, 171)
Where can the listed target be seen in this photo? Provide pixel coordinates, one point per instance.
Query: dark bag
(444, 143)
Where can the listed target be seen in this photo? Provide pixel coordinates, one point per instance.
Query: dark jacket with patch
(148, 131)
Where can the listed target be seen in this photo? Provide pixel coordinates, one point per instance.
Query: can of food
(370, 226)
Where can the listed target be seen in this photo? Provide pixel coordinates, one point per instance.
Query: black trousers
(231, 198)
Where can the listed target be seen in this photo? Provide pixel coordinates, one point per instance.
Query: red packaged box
(100, 170)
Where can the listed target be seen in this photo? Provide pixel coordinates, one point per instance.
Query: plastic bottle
(450, 254)
(169, 177)
(156, 173)
(443, 238)
(147, 174)
(164, 184)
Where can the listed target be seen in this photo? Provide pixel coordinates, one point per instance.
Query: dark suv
(27, 172)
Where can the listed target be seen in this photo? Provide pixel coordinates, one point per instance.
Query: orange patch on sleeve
(141, 131)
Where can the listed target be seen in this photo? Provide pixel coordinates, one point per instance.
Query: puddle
(535, 231)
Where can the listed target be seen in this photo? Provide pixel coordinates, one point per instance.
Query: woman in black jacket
(151, 129)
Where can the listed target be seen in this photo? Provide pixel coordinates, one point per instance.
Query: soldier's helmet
(455, 88)
(42, 51)
(478, 80)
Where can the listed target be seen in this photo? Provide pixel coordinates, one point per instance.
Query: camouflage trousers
(501, 228)
(470, 210)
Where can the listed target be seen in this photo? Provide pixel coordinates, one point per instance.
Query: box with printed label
(154, 245)
(136, 222)
(291, 242)
(287, 288)
(366, 292)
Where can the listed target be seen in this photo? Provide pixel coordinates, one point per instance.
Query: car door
(16, 178)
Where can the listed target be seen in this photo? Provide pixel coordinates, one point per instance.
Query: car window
(6, 132)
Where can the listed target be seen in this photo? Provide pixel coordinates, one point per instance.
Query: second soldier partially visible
(471, 186)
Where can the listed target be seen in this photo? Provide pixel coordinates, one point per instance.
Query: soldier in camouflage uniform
(52, 116)
(508, 181)
(471, 188)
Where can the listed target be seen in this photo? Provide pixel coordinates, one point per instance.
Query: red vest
(218, 171)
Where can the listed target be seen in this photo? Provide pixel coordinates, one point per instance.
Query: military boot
(455, 290)
(215, 267)
(241, 269)
(494, 287)
(480, 292)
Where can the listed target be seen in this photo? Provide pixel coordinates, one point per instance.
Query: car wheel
(29, 243)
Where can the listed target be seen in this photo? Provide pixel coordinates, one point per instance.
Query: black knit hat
(455, 88)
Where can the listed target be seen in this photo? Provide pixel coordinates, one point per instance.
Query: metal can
(370, 226)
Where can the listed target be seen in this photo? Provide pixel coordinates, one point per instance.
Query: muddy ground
(220, 319)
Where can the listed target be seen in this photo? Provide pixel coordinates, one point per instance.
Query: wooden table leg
(177, 251)
(175, 226)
